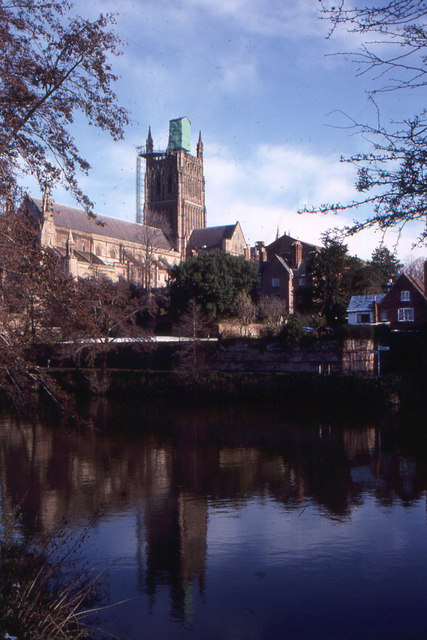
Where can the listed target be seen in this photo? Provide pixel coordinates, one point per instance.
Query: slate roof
(284, 242)
(78, 220)
(211, 237)
(360, 304)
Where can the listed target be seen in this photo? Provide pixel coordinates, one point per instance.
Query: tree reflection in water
(173, 469)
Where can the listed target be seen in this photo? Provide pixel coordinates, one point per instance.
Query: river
(233, 523)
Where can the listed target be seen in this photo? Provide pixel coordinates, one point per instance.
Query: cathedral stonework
(175, 186)
(174, 221)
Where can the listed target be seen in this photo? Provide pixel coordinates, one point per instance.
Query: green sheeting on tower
(180, 134)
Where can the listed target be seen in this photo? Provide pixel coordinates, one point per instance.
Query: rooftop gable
(78, 220)
(211, 237)
(404, 280)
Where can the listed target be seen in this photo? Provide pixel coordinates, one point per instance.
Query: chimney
(296, 254)
(261, 251)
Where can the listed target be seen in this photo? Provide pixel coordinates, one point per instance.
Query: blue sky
(256, 78)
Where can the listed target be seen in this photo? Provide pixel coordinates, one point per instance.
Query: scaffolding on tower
(140, 184)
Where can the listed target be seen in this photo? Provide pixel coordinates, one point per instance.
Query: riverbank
(37, 599)
(324, 373)
(292, 391)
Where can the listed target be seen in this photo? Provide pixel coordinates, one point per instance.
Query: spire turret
(149, 142)
(200, 146)
(46, 202)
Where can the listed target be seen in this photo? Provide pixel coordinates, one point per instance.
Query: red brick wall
(392, 302)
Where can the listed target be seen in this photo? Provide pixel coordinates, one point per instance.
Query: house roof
(360, 304)
(284, 242)
(78, 220)
(211, 237)
(414, 281)
(283, 263)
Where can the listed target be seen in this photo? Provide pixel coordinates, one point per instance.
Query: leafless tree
(35, 293)
(245, 310)
(415, 268)
(272, 311)
(55, 65)
(192, 362)
(392, 176)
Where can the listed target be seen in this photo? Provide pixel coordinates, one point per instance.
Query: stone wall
(319, 356)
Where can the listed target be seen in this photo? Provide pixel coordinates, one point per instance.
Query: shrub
(37, 599)
(292, 332)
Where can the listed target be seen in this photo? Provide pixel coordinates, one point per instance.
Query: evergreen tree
(385, 267)
(214, 280)
(336, 277)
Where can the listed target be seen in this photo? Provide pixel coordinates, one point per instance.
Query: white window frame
(405, 314)
(405, 296)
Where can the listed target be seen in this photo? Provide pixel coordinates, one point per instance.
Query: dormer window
(405, 296)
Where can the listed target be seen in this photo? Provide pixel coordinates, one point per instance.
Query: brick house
(285, 269)
(277, 281)
(405, 305)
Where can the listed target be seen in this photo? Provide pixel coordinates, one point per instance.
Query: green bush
(292, 332)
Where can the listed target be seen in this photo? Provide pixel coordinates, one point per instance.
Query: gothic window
(113, 253)
(158, 184)
(82, 247)
(98, 250)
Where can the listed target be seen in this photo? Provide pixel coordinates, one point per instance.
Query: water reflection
(182, 473)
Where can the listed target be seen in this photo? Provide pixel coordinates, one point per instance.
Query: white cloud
(266, 190)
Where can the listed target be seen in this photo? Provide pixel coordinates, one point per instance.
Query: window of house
(383, 316)
(275, 282)
(363, 318)
(158, 185)
(98, 250)
(405, 296)
(405, 314)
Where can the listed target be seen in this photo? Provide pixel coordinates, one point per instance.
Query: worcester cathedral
(174, 221)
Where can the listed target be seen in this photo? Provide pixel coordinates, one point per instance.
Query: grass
(41, 595)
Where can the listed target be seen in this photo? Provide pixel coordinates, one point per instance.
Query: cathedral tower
(174, 197)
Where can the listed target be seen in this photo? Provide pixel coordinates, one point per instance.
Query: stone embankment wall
(319, 356)
(325, 357)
